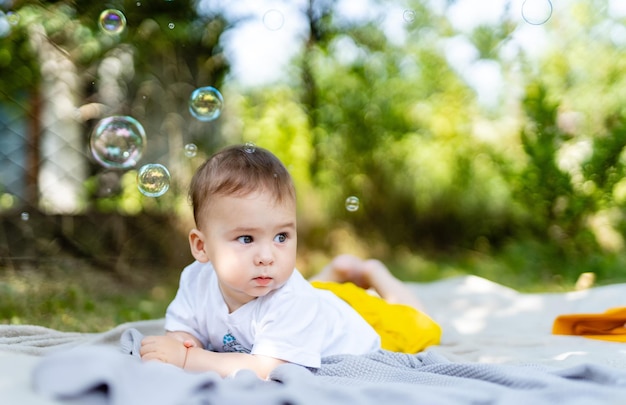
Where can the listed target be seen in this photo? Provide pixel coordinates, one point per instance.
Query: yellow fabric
(401, 328)
(610, 325)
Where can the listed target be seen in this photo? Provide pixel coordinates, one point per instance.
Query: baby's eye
(245, 239)
(280, 238)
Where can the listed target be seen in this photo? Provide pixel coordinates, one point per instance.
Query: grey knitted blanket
(103, 375)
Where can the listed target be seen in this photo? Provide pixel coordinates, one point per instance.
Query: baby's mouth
(263, 280)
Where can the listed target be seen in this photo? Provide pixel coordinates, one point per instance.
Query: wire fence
(47, 210)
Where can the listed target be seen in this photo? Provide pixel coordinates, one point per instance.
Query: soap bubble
(153, 180)
(206, 103)
(536, 12)
(112, 21)
(273, 20)
(13, 18)
(249, 147)
(117, 142)
(191, 150)
(408, 16)
(352, 203)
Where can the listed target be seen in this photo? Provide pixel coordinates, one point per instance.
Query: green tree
(390, 125)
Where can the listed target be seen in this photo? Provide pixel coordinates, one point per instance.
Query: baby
(242, 304)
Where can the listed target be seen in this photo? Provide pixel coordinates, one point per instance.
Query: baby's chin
(263, 291)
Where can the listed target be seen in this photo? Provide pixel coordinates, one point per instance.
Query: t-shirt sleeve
(180, 314)
(294, 332)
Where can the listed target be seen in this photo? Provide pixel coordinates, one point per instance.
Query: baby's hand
(165, 349)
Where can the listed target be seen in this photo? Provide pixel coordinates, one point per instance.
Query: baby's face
(251, 242)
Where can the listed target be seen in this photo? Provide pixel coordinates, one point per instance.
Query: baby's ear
(196, 243)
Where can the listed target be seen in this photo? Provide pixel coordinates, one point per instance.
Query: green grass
(78, 297)
(526, 266)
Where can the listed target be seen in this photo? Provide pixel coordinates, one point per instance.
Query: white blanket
(483, 322)
(488, 323)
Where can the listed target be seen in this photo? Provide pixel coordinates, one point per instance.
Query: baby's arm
(226, 363)
(170, 349)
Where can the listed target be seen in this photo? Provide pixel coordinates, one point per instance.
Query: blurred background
(444, 137)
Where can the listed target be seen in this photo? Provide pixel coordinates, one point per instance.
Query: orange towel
(610, 325)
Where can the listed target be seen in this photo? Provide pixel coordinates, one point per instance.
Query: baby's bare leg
(342, 269)
(387, 286)
(369, 274)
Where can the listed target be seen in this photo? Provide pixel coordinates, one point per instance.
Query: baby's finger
(148, 340)
(152, 356)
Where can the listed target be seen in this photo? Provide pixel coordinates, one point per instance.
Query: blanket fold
(102, 375)
(610, 325)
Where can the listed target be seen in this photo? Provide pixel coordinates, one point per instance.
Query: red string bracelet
(186, 354)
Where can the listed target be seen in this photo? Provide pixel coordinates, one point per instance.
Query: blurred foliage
(534, 179)
(18, 67)
(391, 124)
(396, 126)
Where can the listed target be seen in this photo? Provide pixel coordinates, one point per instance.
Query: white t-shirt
(296, 323)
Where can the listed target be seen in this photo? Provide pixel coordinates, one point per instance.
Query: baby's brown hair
(239, 170)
